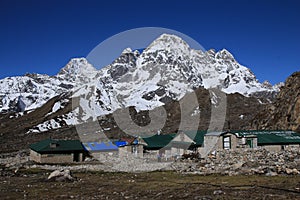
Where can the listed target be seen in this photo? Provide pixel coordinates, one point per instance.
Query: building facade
(57, 151)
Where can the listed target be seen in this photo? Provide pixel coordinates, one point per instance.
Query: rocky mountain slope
(164, 74)
(284, 112)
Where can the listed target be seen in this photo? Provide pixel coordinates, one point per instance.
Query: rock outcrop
(284, 112)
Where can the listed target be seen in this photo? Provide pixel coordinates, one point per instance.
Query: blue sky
(42, 36)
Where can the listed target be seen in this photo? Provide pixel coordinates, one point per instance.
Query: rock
(295, 171)
(270, 173)
(61, 175)
(238, 165)
(288, 171)
(218, 192)
(203, 198)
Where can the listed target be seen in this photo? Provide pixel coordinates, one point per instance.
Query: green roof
(57, 146)
(264, 137)
(272, 136)
(196, 136)
(158, 141)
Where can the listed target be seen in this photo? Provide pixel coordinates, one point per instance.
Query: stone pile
(132, 164)
(244, 161)
(111, 164)
(15, 159)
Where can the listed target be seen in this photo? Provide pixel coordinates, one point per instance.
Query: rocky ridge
(283, 113)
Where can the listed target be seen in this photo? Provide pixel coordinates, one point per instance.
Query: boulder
(61, 175)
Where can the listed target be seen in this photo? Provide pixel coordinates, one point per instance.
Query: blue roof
(100, 146)
(135, 141)
(120, 143)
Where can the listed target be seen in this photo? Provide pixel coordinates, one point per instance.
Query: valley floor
(33, 184)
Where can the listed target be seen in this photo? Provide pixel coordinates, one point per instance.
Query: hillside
(284, 112)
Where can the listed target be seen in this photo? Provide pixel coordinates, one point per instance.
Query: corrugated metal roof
(158, 141)
(120, 143)
(264, 137)
(215, 133)
(181, 144)
(57, 146)
(123, 142)
(272, 136)
(100, 146)
(196, 136)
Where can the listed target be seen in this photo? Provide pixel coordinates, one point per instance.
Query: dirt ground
(33, 184)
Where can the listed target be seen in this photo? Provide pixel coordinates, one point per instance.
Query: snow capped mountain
(167, 42)
(78, 69)
(166, 70)
(34, 90)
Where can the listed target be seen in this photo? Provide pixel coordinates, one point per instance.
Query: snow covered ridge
(166, 70)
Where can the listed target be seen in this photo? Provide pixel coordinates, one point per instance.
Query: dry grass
(33, 184)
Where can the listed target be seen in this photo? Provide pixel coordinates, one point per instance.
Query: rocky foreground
(224, 174)
(34, 184)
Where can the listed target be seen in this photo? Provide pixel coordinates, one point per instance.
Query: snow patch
(197, 111)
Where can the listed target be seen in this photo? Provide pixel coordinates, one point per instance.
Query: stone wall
(104, 155)
(212, 143)
(290, 147)
(274, 148)
(277, 148)
(53, 158)
(131, 150)
(57, 158)
(35, 156)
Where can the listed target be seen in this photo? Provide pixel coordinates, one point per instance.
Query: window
(53, 145)
(226, 142)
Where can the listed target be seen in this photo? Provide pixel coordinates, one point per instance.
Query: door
(226, 142)
(250, 142)
(76, 157)
(134, 150)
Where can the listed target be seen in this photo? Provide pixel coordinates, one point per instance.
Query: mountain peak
(76, 66)
(224, 54)
(168, 42)
(127, 50)
(211, 53)
(166, 36)
(77, 69)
